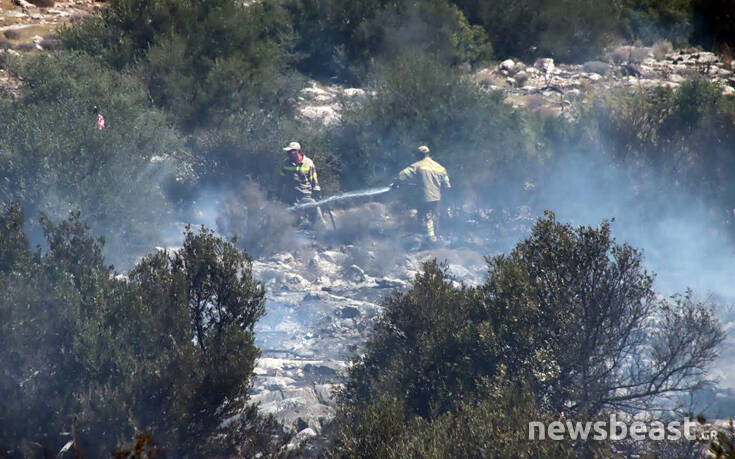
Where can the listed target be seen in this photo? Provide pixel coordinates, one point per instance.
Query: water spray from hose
(340, 197)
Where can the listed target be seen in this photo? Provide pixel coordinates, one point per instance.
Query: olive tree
(568, 321)
(170, 348)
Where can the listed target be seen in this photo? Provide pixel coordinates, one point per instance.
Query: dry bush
(49, 43)
(628, 55)
(11, 34)
(619, 55)
(5, 44)
(728, 56)
(25, 46)
(43, 3)
(638, 55)
(661, 48)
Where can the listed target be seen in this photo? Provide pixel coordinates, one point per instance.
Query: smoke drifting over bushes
(262, 226)
(214, 88)
(684, 242)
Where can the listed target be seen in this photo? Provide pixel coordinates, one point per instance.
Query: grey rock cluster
(554, 89)
(322, 103)
(321, 306)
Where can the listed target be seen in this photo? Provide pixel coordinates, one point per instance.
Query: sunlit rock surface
(555, 89)
(320, 310)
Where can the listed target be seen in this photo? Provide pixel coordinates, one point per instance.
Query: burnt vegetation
(200, 94)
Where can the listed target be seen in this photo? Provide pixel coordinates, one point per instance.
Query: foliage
(566, 30)
(684, 133)
(248, 147)
(715, 20)
(576, 30)
(496, 428)
(594, 335)
(218, 70)
(569, 314)
(342, 38)
(171, 349)
(201, 60)
(417, 348)
(223, 73)
(650, 20)
(54, 160)
(416, 100)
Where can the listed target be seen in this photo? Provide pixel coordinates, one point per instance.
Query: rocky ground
(324, 298)
(551, 88)
(322, 303)
(27, 28)
(556, 89)
(32, 26)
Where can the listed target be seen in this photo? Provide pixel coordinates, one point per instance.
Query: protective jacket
(429, 175)
(300, 178)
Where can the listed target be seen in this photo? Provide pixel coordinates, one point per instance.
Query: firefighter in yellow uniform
(300, 183)
(430, 176)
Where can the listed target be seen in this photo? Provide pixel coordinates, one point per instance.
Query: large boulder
(598, 67)
(508, 65)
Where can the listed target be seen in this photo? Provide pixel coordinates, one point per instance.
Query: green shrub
(651, 20)
(497, 428)
(201, 60)
(418, 346)
(54, 160)
(416, 100)
(249, 147)
(171, 349)
(575, 31)
(218, 70)
(571, 31)
(342, 38)
(569, 314)
(683, 134)
(562, 281)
